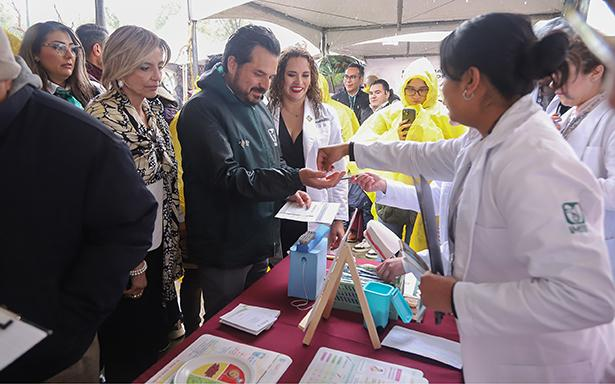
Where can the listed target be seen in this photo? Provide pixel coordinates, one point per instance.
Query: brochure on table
(434, 347)
(249, 318)
(332, 366)
(209, 353)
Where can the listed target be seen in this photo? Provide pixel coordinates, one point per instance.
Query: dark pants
(221, 286)
(134, 333)
(190, 298)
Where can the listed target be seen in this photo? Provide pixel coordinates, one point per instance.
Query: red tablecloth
(343, 331)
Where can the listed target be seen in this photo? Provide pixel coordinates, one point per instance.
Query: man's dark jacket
(76, 218)
(361, 107)
(234, 178)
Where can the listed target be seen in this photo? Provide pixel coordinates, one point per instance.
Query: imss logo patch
(574, 217)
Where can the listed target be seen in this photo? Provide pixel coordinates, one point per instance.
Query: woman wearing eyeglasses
(418, 92)
(54, 53)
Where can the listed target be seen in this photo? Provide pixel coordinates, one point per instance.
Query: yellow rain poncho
(431, 124)
(348, 120)
(178, 156)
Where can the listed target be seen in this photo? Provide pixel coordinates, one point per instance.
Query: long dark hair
(313, 94)
(504, 48)
(31, 45)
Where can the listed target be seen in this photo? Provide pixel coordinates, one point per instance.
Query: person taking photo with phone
(419, 117)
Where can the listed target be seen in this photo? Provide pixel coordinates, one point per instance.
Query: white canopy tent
(344, 26)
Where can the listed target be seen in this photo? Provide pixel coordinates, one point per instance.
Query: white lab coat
(403, 196)
(593, 141)
(535, 301)
(326, 130)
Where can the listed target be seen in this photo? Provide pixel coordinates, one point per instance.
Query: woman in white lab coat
(531, 287)
(304, 124)
(589, 127)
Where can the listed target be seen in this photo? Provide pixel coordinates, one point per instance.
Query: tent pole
(100, 12)
(324, 49)
(400, 12)
(581, 6)
(194, 65)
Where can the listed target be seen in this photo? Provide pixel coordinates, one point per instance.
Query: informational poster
(332, 366)
(215, 359)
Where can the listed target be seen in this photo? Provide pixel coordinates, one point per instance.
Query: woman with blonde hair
(133, 61)
(54, 53)
(303, 124)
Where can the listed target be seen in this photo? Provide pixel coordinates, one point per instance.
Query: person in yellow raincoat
(419, 91)
(348, 120)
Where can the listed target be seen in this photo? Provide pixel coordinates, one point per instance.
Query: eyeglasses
(413, 91)
(62, 48)
(350, 77)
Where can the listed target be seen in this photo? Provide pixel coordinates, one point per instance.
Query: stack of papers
(251, 319)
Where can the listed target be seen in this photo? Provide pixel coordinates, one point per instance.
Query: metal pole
(324, 50)
(581, 6)
(400, 12)
(27, 14)
(100, 12)
(194, 68)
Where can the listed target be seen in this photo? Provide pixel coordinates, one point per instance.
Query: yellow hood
(324, 88)
(423, 70)
(347, 118)
(431, 124)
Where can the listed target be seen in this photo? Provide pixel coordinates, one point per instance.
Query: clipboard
(17, 336)
(428, 213)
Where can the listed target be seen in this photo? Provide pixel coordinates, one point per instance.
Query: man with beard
(234, 178)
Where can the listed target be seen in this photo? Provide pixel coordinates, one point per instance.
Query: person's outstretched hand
(370, 182)
(320, 179)
(329, 155)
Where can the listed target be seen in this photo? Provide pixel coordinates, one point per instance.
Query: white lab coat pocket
(580, 372)
(592, 157)
(494, 246)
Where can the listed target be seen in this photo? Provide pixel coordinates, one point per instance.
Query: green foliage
(219, 29)
(171, 8)
(113, 22)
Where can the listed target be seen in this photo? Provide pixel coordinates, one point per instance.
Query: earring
(37, 59)
(120, 83)
(465, 95)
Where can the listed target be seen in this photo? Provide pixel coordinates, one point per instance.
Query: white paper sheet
(318, 212)
(433, 347)
(332, 366)
(16, 337)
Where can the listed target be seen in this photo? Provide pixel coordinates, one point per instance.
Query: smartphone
(408, 114)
